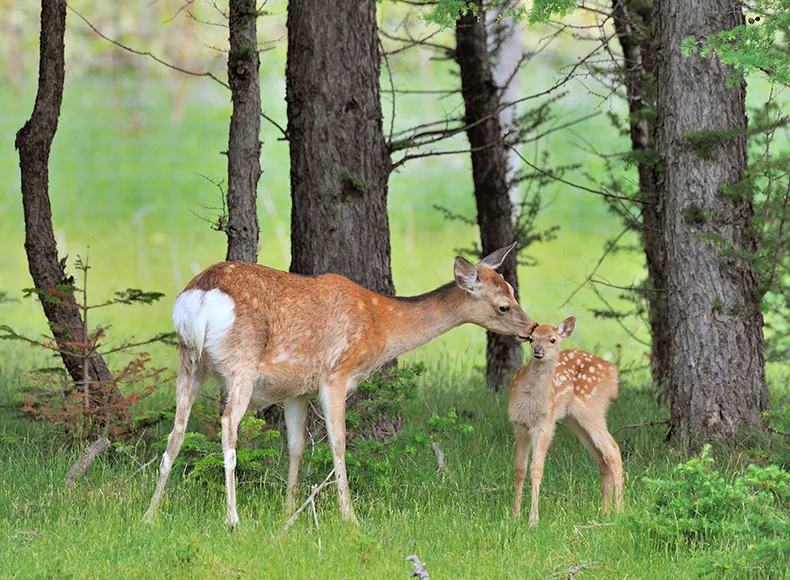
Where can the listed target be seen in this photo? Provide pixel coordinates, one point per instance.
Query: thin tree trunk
(489, 172)
(717, 364)
(633, 22)
(34, 142)
(244, 146)
(339, 160)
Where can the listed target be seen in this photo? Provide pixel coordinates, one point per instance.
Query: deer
(281, 337)
(570, 385)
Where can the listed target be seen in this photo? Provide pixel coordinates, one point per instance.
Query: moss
(696, 215)
(706, 142)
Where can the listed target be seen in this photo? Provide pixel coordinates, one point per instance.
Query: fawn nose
(537, 352)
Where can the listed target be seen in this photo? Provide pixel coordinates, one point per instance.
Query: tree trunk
(340, 164)
(244, 146)
(717, 364)
(633, 22)
(489, 172)
(339, 160)
(34, 142)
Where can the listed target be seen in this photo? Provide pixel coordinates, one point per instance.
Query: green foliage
(135, 295)
(706, 142)
(543, 10)
(696, 215)
(761, 45)
(697, 505)
(256, 451)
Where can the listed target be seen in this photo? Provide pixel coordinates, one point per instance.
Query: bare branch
(611, 246)
(419, 568)
(86, 459)
(314, 493)
(149, 54)
(640, 425)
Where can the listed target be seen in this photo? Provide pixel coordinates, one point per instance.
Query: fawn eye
(552, 340)
(504, 308)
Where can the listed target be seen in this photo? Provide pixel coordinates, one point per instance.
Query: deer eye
(504, 308)
(552, 340)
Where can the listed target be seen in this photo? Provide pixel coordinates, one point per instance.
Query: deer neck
(416, 320)
(539, 375)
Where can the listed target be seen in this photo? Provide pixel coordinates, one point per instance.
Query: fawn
(277, 337)
(572, 385)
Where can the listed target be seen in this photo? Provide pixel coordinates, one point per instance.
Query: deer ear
(494, 259)
(466, 274)
(565, 329)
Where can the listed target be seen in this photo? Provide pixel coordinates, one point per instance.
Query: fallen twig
(439, 455)
(419, 568)
(307, 502)
(142, 467)
(84, 462)
(573, 570)
(638, 425)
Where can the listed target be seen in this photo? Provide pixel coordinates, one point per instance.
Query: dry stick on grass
(573, 570)
(638, 425)
(419, 569)
(84, 462)
(307, 502)
(439, 455)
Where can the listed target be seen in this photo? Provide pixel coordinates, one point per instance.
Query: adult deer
(278, 337)
(572, 385)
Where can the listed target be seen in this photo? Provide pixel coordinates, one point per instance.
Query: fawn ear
(565, 329)
(494, 259)
(466, 275)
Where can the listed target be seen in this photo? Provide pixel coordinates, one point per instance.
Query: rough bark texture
(717, 365)
(34, 141)
(489, 172)
(339, 160)
(633, 21)
(244, 146)
(340, 164)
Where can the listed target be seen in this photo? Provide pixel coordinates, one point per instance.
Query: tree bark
(633, 22)
(489, 172)
(244, 146)
(34, 142)
(716, 359)
(339, 160)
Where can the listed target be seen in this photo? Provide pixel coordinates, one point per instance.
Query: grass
(457, 521)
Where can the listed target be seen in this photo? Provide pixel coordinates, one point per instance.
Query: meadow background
(128, 188)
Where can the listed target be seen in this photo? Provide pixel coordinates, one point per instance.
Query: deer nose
(537, 352)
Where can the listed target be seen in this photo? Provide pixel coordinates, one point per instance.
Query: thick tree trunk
(633, 21)
(489, 172)
(339, 160)
(717, 365)
(34, 141)
(340, 164)
(244, 146)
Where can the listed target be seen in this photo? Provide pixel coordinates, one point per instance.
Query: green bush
(697, 506)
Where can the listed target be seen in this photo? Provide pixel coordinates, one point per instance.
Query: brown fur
(572, 385)
(294, 336)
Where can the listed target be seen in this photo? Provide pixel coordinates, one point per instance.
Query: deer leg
(239, 394)
(541, 437)
(522, 455)
(333, 401)
(593, 433)
(190, 375)
(295, 415)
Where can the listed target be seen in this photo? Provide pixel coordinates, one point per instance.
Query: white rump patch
(202, 320)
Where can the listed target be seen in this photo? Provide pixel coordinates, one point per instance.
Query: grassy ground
(457, 520)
